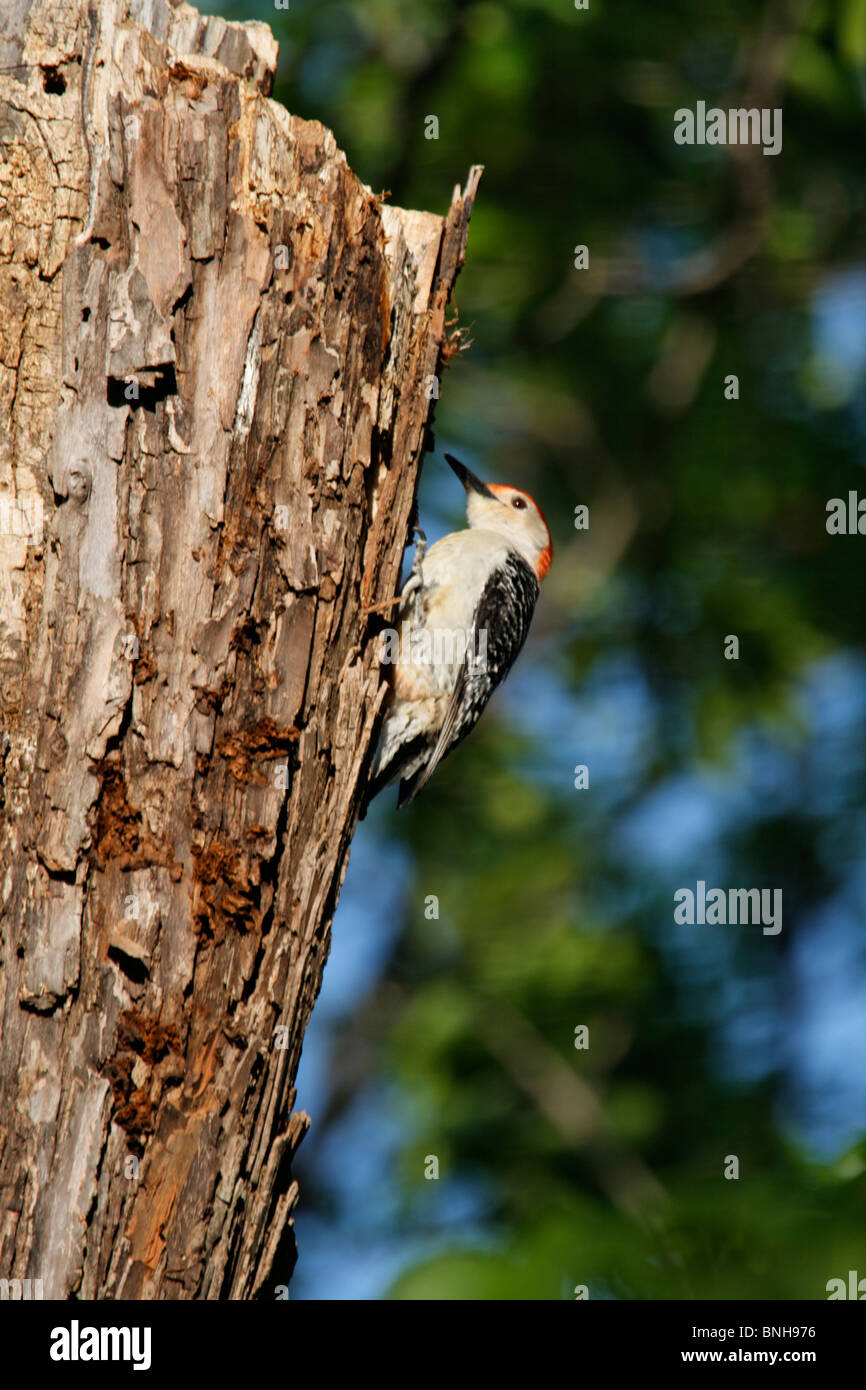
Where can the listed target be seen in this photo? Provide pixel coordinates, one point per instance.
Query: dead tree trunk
(216, 348)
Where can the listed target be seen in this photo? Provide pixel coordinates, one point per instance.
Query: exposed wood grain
(214, 341)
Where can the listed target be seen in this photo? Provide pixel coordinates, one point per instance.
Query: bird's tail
(405, 764)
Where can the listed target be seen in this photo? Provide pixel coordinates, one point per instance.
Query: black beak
(468, 479)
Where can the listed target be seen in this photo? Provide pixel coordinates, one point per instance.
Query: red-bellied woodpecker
(464, 614)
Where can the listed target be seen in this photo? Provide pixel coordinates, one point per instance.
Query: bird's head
(511, 513)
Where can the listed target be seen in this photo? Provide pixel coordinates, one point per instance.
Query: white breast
(456, 570)
(439, 621)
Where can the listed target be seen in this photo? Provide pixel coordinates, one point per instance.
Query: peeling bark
(214, 343)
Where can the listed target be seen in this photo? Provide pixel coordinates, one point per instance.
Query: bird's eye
(518, 502)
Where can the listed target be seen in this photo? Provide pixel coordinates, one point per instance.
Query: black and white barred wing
(501, 625)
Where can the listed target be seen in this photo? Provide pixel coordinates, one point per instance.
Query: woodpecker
(463, 617)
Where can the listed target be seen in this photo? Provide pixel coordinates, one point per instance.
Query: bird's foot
(384, 607)
(420, 551)
(414, 581)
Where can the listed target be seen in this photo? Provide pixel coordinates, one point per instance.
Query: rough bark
(215, 344)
